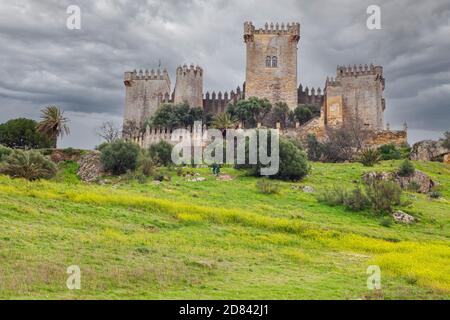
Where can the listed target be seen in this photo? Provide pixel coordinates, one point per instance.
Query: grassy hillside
(217, 239)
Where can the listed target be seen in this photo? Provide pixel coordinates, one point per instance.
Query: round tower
(189, 86)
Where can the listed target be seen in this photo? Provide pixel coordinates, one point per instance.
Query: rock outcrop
(423, 182)
(91, 167)
(402, 217)
(428, 150)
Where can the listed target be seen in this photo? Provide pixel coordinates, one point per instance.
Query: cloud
(42, 62)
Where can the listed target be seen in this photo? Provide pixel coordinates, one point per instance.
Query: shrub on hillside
(31, 165)
(293, 163)
(406, 169)
(369, 157)
(389, 152)
(147, 165)
(4, 152)
(119, 157)
(435, 194)
(383, 195)
(314, 148)
(266, 186)
(333, 196)
(392, 152)
(161, 153)
(356, 200)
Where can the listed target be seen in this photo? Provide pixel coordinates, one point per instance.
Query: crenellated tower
(356, 93)
(271, 70)
(144, 92)
(189, 85)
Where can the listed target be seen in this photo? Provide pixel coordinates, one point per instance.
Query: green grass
(217, 239)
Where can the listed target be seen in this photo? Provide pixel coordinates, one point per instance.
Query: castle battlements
(191, 70)
(332, 82)
(292, 29)
(152, 74)
(217, 103)
(342, 71)
(313, 96)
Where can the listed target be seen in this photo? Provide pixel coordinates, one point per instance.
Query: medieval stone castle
(356, 92)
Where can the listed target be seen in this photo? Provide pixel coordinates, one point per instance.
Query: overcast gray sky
(42, 62)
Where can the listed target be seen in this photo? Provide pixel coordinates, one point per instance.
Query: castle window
(268, 62)
(274, 62)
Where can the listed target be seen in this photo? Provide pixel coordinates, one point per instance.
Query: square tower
(271, 70)
(144, 92)
(360, 90)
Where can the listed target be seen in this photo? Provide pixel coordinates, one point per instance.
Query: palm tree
(53, 124)
(223, 121)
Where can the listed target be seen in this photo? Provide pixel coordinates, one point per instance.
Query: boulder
(308, 189)
(378, 176)
(423, 181)
(428, 150)
(91, 166)
(402, 217)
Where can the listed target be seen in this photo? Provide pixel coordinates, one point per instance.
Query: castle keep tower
(189, 86)
(271, 70)
(355, 94)
(144, 91)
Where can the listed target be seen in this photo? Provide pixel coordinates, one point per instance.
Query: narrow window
(268, 62)
(274, 62)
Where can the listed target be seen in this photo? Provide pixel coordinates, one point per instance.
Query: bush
(435, 194)
(22, 133)
(356, 200)
(383, 195)
(314, 148)
(369, 157)
(389, 152)
(31, 165)
(293, 163)
(333, 197)
(406, 169)
(119, 157)
(147, 165)
(4, 152)
(161, 153)
(266, 186)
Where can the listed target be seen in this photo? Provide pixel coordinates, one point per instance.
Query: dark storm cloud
(43, 62)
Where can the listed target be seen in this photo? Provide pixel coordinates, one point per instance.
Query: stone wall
(381, 137)
(217, 103)
(276, 81)
(311, 97)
